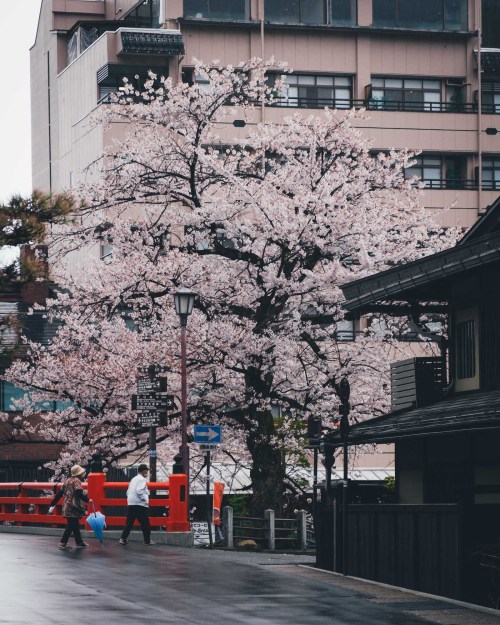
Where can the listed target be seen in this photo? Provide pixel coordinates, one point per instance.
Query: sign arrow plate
(207, 434)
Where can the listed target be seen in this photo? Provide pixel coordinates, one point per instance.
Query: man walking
(138, 506)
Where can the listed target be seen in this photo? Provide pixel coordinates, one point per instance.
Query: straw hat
(77, 470)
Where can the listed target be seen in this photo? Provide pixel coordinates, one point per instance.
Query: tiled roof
(461, 412)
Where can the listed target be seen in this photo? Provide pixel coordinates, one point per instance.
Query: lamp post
(344, 392)
(184, 302)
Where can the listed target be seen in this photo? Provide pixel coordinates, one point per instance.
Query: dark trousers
(141, 513)
(72, 527)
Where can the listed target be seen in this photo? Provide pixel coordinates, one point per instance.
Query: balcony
(421, 107)
(376, 105)
(452, 184)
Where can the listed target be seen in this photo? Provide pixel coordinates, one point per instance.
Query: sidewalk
(436, 610)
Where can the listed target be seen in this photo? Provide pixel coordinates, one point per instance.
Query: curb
(175, 539)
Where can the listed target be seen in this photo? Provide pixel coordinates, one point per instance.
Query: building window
(217, 9)
(428, 170)
(424, 14)
(490, 16)
(491, 173)
(490, 92)
(313, 91)
(106, 251)
(146, 15)
(343, 12)
(405, 94)
(466, 349)
(110, 78)
(333, 12)
(10, 393)
(441, 172)
(344, 330)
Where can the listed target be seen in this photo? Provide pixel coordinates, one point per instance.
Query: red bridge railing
(27, 508)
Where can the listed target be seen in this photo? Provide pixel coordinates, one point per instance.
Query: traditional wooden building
(445, 423)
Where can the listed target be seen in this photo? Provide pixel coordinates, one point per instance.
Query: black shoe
(123, 541)
(149, 542)
(82, 545)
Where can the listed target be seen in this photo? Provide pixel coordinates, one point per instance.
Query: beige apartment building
(416, 65)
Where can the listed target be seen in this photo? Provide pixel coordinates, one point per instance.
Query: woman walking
(73, 507)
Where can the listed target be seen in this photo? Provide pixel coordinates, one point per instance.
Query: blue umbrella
(97, 522)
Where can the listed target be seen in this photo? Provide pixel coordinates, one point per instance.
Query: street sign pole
(152, 454)
(209, 502)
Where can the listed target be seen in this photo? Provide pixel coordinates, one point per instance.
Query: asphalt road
(161, 585)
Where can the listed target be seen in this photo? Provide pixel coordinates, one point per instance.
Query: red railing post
(95, 486)
(178, 520)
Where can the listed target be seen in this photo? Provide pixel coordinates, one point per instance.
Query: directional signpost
(151, 403)
(208, 437)
(211, 434)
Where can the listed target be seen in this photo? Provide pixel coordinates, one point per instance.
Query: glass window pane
(431, 14)
(428, 161)
(408, 13)
(432, 101)
(392, 83)
(282, 11)
(384, 13)
(343, 98)
(312, 12)
(456, 14)
(323, 92)
(431, 173)
(413, 84)
(227, 9)
(343, 12)
(292, 94)
(325, 80)
(195, 8)
(343, 81)
(306, 80)
(377, 82)
(393, 95)
(291, 79)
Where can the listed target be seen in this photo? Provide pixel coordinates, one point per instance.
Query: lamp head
(184, 302)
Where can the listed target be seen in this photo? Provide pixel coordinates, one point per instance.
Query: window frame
(304, 81)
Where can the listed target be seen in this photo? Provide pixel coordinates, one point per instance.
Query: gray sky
(17, 35)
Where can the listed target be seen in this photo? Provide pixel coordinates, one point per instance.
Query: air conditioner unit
(416, 382)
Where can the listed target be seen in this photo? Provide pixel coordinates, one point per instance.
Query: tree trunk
(268, 468)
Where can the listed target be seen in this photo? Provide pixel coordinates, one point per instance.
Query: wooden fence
(268, 532)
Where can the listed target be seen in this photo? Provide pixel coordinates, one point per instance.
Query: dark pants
(72, 527)
(141, 513)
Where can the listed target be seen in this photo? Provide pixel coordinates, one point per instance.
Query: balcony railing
(376, 105)
(421, 107)
(447, 184)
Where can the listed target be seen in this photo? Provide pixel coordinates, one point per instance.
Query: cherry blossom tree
(264, 227)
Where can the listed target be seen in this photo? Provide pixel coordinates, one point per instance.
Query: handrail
(25, 509)
(376, 105)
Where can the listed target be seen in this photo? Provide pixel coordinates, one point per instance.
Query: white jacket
(137, 492)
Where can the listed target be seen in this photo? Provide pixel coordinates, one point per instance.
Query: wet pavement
(162, 585)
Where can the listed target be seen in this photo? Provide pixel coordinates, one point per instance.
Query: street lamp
(184, 302)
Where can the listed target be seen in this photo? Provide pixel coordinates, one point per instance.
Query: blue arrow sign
(208, 434)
